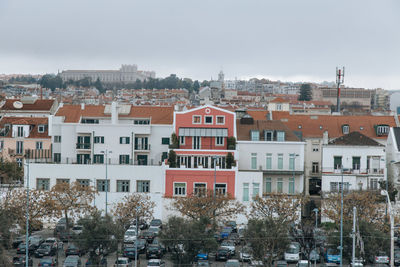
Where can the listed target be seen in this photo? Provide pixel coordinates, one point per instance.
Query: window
(62, 181)
(123, 159)
(279, 185)
(208, 119)
(19, 162)
(337, 162)
(90, 121)
(256, 190)
(20, 147)
(141, 122)
(1, 145)
(315, 167)
(98, 158)
(41, 128)
(345, 129)
(373, 184)
(83, 142)
(269, 135)
(165, 140)
(179, 189)
(219, 141)
(280, 136)
(57, 139)
(220, 189)
(164, 156)
(182, 140)
(280, 161)
(102, 185)
(255, 135)
(43, 184)
(142, 143)
(268, 185)
(143, 186)
(334, 186)
(315, 148)
(200, 189)
(20, 131)
(268, 163)
(84, 182)
(382, 130)
(124, 140)
(245, 191)
(196, 119)
(57, 157)
(356, 163)
(253, 161)
(122, 185)
(99, 139)
(39, 145)
(291, 185)
(220, 120)
(278, 106)
(291, 161)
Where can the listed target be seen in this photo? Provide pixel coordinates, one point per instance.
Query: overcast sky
(292, 40)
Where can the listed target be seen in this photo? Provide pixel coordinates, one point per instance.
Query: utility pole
(339, 81)
(341, 219)
(353, 258)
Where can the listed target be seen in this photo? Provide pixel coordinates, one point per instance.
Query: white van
(292, 253)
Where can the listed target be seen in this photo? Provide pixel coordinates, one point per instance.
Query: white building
(393, 155)
(126, 74)
(136, 135)
(359, 159)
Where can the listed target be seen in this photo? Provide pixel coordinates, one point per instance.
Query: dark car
(397, 258)
(18, 240)
(148, 236)
(130, 252)
(157, 241)
(21, 249)
(50, 261)
(154, 252)
(45, 249)
(141, 245)
(156, 223)
(73, 250)
(34, 242)
(281, 264)
(19, 261)
(222, 254)
(142, 224)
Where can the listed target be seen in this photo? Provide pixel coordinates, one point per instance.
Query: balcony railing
(142, 146)
(38, 153)
(82, 145)
(379, 171)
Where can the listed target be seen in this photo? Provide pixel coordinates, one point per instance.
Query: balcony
(82, 145)
(142, 147)
(372, 171)
(38, 153)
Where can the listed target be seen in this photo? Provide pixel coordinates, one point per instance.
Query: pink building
(203, 135)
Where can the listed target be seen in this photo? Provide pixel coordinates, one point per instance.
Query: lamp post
(385, 193)
(106, 152)
(341, 218)
(27, 215)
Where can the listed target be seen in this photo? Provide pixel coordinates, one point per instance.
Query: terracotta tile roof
(158, 115)
(33, 121)
(258, 114)
(44, 104)
(313, 126)
(354, 139)
(279, 100)
(243, 130)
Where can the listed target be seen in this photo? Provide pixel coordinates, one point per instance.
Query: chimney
(325, 138)
(83, 106)
(114, 113)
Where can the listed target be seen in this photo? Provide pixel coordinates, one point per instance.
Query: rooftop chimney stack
(339, 81)
(114, 113)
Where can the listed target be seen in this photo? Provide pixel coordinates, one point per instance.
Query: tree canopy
(305, 92)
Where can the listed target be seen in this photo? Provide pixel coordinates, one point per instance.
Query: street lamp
(385, 193)
(106, 152)
(27, 214)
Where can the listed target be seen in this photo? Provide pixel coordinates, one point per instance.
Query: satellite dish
(18, 104)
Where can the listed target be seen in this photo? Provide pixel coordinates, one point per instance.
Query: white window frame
(41, 128)
(39, 145)
(20, 131)
(182, 140)
(198, 183)
(209, 116)
(224, 184)
(180, 195)
(216, 120)
(219, 143)
(195, 116)
(282, 133)
(252, 133)
(121, 184)
(57, 139)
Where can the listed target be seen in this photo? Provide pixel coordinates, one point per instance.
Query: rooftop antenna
(339, 81)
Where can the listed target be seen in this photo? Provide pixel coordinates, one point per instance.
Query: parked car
(222, 254)
(123, 262)
(156, 262)
(357, 263)
(48, 261)
(225, 232)
(154, 229)
(34, 242)
(382, 257)
(141, 245)
(314, 256)
(20, 261)
(233, 225)
(148, 236)
(73, 250)
(156, 223)
(232, 263)
(18, 240)
(245, 254)
(332, 255)
(303, 263)
(397, 258)
(51, 240)
(77, 229)
(45, 249)
(202, 255)
(130, 236)
(203, 263)
(229, 245)
(72, 261)
(292, 254)
(156, 241)
(281, 264)
(153, 252)
(130, 252)
(254, 263)
(21, 249)
(142, 224)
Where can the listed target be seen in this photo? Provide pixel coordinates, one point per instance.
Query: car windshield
(46, 260)
(155, 222)
(130, 233)
(141, 242)
(121, 261)
(151, 247)
(292, 250)
(227, 243)
(71, 259)
(44, 246)
(78, 227)
(382, 254)
(153, 263)
(333, 251)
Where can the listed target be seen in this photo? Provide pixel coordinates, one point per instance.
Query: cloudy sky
(297, 40)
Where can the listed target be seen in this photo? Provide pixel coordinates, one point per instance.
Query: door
(196, 142)
(142, 159)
